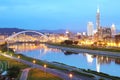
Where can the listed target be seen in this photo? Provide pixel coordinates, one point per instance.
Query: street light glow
(45, 65)
(34, 61)
(70, 75)
(18, 57)
(10, 54)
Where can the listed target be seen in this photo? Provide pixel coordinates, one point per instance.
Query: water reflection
(24, 47)
(99, 63)
(90, 60)
(89, 57)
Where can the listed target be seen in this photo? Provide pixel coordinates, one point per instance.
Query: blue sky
(57, 14)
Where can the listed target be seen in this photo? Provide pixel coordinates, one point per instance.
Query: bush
(75, 42)
(68, 42)
(13, 72)
(101, 79)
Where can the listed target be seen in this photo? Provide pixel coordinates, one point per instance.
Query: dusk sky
(57, 14)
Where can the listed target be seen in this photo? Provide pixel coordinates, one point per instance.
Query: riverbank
(59, 71)
(66, 68)
(6, 63)
(78, 50)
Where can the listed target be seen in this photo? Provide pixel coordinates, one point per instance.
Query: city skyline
(69, 14)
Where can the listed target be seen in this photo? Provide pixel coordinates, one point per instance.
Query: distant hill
(59, 31)
(9, 31)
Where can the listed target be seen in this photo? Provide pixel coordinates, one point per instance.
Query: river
(99, 63)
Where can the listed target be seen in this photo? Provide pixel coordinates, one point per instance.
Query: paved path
(24, 74)
(59, 73)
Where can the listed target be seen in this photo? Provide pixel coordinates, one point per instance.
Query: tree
(13, 72)
(68, 42)
(75, 42)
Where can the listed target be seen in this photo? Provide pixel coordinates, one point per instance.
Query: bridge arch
(12, 36)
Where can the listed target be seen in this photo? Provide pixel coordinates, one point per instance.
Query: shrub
(13, 71)
(75, 42)
(68, 42)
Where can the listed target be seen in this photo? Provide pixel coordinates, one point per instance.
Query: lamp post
(11, 55)
(7, 46)
(45, 66)
(34, 61)
(70, 76)
(18, 57)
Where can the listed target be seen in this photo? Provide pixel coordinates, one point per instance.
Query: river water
(109, 65)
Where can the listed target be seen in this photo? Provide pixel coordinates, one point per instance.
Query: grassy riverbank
(109, 49)
(85, 73)
(36, 74)
(12, 63)
(102, 74)
(49, 65)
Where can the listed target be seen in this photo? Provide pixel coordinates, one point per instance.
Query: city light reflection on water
(109, 65)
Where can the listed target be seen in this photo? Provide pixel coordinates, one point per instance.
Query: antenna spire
(98, 10)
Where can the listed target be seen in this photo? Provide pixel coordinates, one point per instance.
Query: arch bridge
(29, 31)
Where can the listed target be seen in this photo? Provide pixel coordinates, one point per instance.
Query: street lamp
(34, 61)
(7, 47)
(18, 57)
(10, 54)
(70, 76)
(45, 66)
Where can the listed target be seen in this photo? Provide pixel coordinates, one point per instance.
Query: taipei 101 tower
(99, 29)
(98, 19)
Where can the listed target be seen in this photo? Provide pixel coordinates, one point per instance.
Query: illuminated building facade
(113, 30)
(106, 32)
(90, 29)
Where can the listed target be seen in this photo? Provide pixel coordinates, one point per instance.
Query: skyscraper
(90, 29)
(98, 26)
(113, 29)
(98, 19)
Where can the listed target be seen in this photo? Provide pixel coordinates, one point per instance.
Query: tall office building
(98, 19)
(99, 28)
(90, 29)
(113, 29)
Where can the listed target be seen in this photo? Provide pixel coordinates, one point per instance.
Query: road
(24, 74)
(58, 73)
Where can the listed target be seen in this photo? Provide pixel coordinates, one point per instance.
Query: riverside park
(59, 40)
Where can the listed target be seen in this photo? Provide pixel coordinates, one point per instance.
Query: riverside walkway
(58, 73)
(24, 74)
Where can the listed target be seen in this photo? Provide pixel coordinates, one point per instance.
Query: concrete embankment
(96, 52)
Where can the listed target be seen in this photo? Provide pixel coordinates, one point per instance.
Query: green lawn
(7, 62)
(12, 62)
(36, 74)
